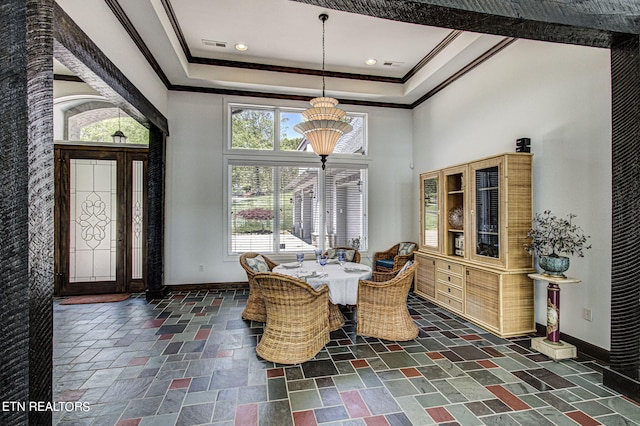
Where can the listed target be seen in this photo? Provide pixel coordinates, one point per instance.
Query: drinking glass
(341, 257)
(317, 252)
(300, 259)
(323, 262)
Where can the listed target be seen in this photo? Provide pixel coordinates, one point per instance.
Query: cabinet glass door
(487, 212)
(430, 217)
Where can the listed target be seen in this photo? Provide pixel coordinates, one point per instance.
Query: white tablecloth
(343, 285)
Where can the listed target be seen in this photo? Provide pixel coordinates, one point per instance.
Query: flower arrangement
(355, 243)
(552, 236)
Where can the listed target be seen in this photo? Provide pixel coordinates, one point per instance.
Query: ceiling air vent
(213, 43)
(392, 63)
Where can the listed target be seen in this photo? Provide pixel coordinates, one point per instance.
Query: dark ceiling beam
(588, 22)
(75, 50)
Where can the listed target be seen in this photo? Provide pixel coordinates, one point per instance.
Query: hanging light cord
(323, 18)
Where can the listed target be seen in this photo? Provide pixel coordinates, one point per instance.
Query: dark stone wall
(26, 207)
(155, 220)
(625, 259)
(14, 297)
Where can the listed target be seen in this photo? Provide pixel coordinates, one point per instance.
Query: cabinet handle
(449, 267)
(449, 278)
(449, 289)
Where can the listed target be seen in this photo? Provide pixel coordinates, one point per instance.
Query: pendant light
(323, 124)
(118, 136)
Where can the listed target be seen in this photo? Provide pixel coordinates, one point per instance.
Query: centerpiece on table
(552, 238)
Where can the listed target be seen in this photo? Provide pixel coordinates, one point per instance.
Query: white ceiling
(289, 34)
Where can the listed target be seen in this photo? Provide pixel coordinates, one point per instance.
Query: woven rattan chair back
(297, 325)
(356, 255)
(254, 310)
(392, 254)
(382, 310)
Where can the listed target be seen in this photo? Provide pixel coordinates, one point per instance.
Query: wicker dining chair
(395, 257)
(250, 262)
(381, 276)
(382, 310)
(336, 319)
(333, 253)
(297, 325)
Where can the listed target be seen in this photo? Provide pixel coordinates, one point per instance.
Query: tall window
(285, 202)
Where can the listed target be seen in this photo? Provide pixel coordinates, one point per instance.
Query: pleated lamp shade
(323, 126)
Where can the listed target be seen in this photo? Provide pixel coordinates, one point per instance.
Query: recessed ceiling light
(241, 47)
(370, 61)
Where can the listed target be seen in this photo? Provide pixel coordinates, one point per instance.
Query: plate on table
(291, 265)
(304, 275)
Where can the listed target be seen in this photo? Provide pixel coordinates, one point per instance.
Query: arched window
(92, 119)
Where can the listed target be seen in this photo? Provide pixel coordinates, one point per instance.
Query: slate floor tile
(379, 401)
(190, 359)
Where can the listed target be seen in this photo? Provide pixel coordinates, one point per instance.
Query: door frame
(124, 156)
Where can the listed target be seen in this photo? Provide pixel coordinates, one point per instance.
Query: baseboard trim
(583, 347)
(240, 285)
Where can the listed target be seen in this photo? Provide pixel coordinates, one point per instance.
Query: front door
(100, 216)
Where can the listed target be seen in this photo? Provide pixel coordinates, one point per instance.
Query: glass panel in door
(137, 220)
(487, 212)
(430, 213)
(93, 221)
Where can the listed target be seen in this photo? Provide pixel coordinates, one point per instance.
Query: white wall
(195, 216)
(559, 96)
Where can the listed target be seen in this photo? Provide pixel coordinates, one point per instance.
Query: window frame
(277, 109)
(277, 157)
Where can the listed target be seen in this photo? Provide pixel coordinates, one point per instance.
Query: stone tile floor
(190, 360)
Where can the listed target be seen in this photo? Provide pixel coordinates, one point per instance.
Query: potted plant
(551, 238)
(355, 243)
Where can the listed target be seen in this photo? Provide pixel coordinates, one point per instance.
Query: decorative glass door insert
(93, 220)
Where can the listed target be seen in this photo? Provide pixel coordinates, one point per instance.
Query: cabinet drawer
(451, 302)
(452, 268)
(449, 278)
(450, 290)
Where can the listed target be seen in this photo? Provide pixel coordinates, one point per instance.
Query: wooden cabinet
(425, 282)
(483, 297)
(501, 209)
(478, 267)
(450, 285)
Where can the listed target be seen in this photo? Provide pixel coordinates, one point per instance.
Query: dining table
(342, 279)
